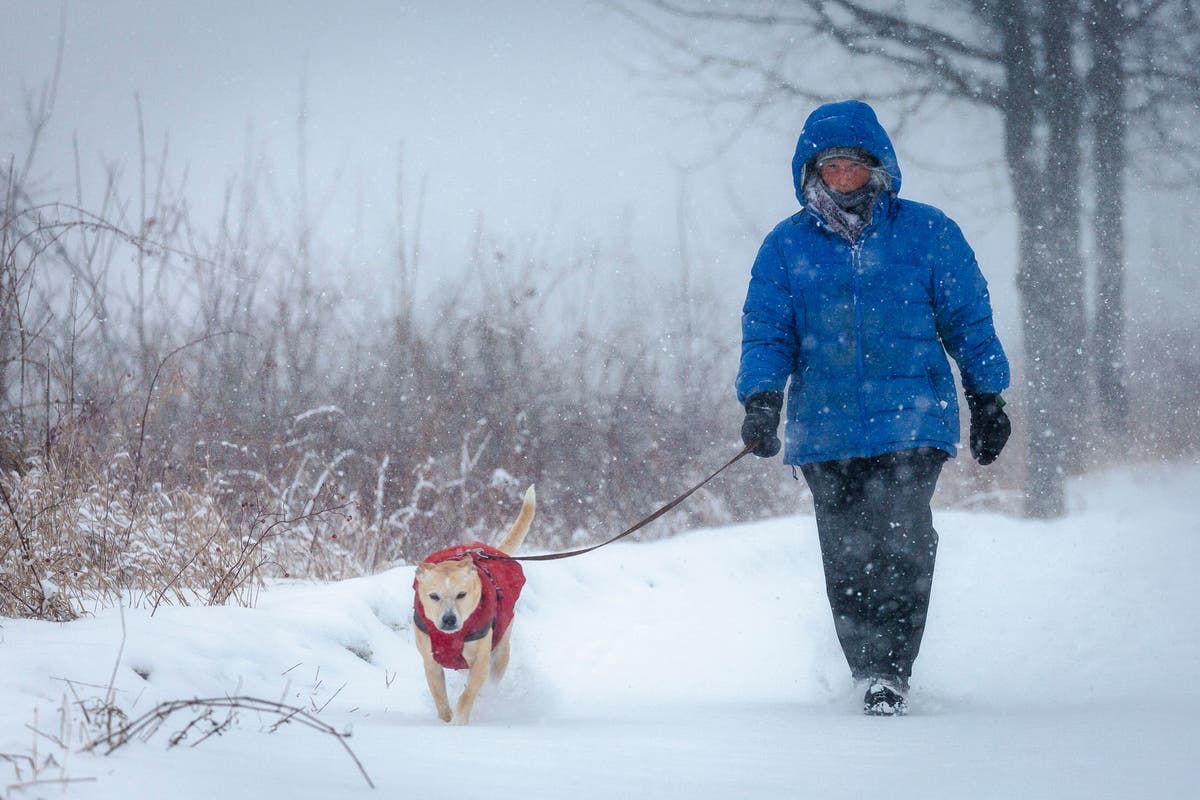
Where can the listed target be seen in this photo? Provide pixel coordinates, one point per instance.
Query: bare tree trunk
(1043, 121)
(1107, 79)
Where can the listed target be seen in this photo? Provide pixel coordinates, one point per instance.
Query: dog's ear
(423, 567)
(464, 565)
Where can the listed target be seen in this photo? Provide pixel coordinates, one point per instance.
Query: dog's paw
(444, 714)
(461, 719)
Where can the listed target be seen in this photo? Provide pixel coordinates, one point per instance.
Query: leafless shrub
(71, 540)
(213, 716)
(45, 764)
(99, 724)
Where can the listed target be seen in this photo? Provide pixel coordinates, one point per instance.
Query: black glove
(989, 426)
(762, 422)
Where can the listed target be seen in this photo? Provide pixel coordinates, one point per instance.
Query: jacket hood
(850, 123)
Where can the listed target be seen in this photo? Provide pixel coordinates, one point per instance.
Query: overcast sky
(523, 111)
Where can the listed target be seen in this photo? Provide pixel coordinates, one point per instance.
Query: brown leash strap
(638, 526)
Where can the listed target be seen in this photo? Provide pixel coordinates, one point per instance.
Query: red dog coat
(502, 579)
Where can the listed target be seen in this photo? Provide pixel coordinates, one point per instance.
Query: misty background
(329, 287)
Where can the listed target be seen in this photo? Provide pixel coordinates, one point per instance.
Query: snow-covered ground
(1061, 660)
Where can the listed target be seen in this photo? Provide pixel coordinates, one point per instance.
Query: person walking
(853, 304)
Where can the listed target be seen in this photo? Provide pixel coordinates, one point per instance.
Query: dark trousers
(878, 546)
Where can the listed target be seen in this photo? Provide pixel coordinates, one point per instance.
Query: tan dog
(463, 611)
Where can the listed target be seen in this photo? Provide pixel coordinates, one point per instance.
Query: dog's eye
(461, 595)
(434, 597)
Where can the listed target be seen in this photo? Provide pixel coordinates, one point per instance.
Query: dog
(463, 611)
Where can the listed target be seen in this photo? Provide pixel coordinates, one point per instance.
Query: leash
(637, 526)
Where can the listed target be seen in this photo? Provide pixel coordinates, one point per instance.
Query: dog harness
(501, 579)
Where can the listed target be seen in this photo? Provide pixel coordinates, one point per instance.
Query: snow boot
(885, 698)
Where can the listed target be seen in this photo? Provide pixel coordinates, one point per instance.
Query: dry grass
(207, 717)
(73, 539)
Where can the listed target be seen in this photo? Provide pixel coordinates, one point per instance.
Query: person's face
(844, 175)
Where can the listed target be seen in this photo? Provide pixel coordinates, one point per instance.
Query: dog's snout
(449, 621)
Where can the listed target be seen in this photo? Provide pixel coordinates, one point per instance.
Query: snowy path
(1059, 662)
(735, 751)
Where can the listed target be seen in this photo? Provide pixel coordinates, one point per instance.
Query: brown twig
(147, 724)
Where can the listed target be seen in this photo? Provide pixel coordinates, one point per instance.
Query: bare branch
(147, 724)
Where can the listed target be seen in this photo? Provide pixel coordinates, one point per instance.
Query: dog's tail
(516, 534)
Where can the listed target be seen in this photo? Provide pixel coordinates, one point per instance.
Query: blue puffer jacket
(861, 331)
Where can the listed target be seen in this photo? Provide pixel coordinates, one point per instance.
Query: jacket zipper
(859, 361)
(859, 357)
